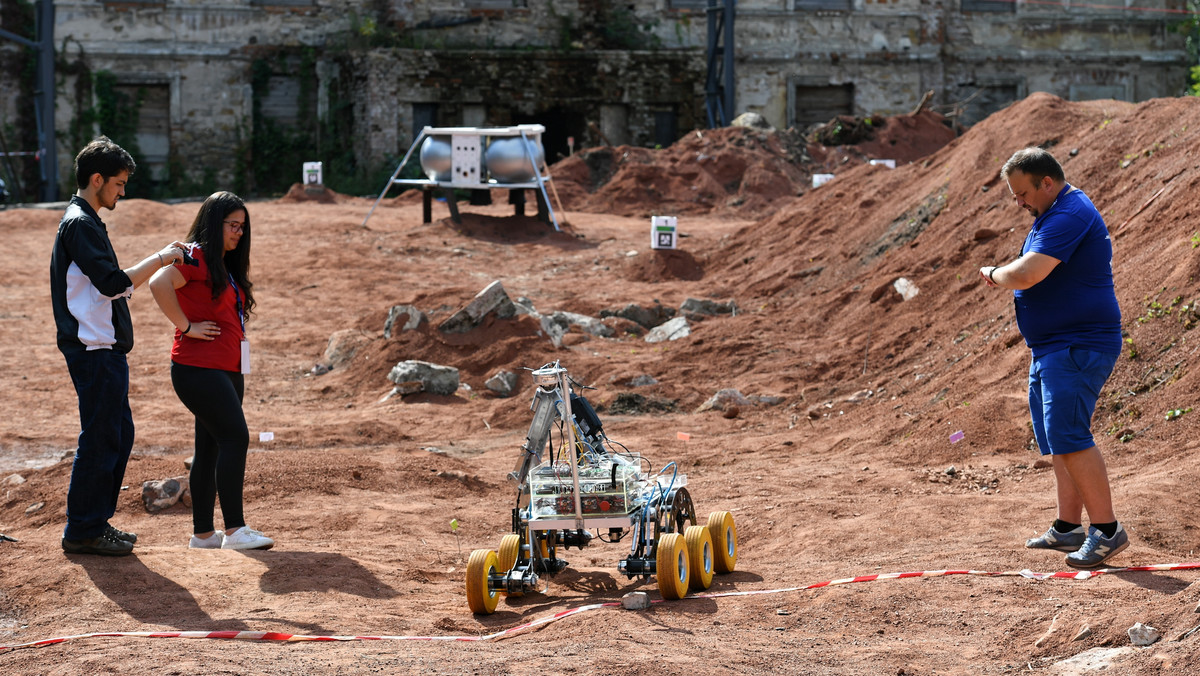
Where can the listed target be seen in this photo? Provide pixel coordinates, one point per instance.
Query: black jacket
(88, 288)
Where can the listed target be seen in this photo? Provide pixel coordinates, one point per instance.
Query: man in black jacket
(89, 290)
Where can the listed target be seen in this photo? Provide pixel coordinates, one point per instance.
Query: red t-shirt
(195, 297)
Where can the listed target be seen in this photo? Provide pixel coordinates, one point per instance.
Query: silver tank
(508, 162)
(436, 158)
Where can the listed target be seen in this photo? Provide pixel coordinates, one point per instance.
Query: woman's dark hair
(208, 230)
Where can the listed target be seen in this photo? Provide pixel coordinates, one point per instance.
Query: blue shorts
(1063, 389)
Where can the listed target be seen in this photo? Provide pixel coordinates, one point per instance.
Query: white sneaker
(247, 538)
(213, 541)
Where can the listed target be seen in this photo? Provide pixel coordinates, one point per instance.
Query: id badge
(245, 356)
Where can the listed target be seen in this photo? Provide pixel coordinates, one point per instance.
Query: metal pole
(43, 96)
(564, 389)
(12, 173)
(713, 16)
(44, 91)
(392, 180)
(538, 175)
(730, 109)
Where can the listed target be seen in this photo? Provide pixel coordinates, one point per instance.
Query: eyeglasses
(235, 226)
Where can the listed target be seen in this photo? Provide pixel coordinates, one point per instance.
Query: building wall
(889, 53)
(202, 52)
(584, 95)
(594, 70)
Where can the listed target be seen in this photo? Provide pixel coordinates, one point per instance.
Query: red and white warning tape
(276, 636)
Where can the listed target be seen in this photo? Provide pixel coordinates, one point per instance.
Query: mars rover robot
(585, 485)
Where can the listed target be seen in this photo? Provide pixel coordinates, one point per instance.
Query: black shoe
(131, 538)
(104, 545)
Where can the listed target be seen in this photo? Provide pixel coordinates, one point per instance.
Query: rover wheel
(509, 552)
(700, 553)
(481, 565)
(675, 513)
(724, 539)
(672, 566)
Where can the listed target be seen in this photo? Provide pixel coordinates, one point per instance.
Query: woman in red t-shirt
(208, 298)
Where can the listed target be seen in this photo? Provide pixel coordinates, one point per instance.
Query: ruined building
(238, 93)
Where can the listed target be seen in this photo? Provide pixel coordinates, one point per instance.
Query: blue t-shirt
(1076, 304)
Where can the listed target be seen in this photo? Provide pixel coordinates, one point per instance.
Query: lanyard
(237, 299)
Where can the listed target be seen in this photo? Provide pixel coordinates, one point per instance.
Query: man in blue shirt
(1067, 311)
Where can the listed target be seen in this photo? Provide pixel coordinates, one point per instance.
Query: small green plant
(1155, 310)
(1195, 239)
(1176, 412)
(367, 26)
(1188, 314)
(1133, 349)
(454, 530)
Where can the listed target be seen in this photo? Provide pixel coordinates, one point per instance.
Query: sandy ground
(845, 476)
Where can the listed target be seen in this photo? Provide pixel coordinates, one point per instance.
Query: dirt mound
(661, 264)
(856, 236)
(301, 193)
(902, 138)
(139, 216)
(741, 170)
(509, 229)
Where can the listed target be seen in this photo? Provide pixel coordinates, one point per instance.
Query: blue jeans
(101, 379)
(1063, 389)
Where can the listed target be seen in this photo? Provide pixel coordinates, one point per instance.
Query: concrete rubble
(413, 318)
(434, 378)
(724, 399)
(492, 300)
(635, 601)
(503, 383)
(160, 494)
(1142, 634)
(671, 330)
(700, 309)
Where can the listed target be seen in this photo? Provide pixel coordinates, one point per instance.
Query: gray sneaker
(1064, 542)
(1098, 549)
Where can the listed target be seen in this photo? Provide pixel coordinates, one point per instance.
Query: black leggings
(219, 466)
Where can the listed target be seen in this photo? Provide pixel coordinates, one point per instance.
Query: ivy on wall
(102, 108)
(1190, 29)
(270, 160)
(117, 113)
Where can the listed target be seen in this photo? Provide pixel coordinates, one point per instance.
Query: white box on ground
(890, 164)
(662, 232)
(821, 179)
(312, 174)
(266, 436)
